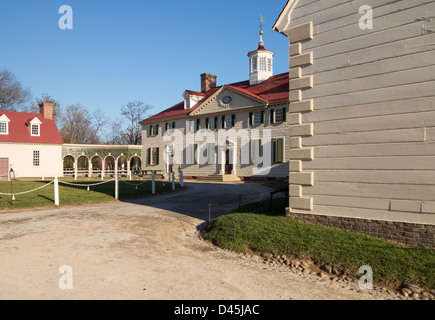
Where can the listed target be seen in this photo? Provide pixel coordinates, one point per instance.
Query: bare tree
(79, 126)
(12, 93)
(46, 98)
(134, 112)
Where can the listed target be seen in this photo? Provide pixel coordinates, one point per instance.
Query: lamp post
(12, 177)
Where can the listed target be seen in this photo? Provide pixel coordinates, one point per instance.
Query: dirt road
(145, 249)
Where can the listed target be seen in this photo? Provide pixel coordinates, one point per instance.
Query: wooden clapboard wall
(363, 100)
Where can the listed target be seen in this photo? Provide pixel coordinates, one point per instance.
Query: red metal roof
(19, 132)
(273, 90)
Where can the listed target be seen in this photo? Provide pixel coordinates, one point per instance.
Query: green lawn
(274, 233)
(73, 195)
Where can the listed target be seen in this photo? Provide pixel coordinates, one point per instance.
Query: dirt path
(147, 249)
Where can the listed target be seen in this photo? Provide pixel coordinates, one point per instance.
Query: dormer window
(35, 129)
(4, 128)
(4, 125)
(191, 98)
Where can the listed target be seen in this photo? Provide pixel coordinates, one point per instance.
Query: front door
(4, 167)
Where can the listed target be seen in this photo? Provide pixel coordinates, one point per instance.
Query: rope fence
(56, 182)
(24, 192)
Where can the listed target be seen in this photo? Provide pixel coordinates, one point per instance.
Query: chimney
(46, 109)
(208, 81)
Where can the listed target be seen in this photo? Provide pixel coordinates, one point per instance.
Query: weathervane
(261, 24)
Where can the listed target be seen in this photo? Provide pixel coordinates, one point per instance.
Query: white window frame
(32, 131)
(254, 64)
(36, 158)
(5, 125)
(278, 116)
(257, 118)
(269, 64)
(262, 63)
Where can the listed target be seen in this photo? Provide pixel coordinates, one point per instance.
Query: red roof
(19, 132)
(273, 90)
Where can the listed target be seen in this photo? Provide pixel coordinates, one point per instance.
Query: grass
(347, 251)
(74, 195)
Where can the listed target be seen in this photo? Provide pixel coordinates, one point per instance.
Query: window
(263, 64)
(154, 130)
(256, 118)
(278, 115)
(228, 121)
(36, 158)
(254, 64)
(256, 151)
(153, 156)
(35, 130)
(269, 64)
(278, 150)
(211, 123)
(4, 128)
(169, 126)
(198, 125)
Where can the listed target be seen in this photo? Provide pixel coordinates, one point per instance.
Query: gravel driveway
(145, 249)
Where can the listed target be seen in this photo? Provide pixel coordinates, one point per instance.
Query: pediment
(3, 118)
(228, 99)
(35, 120)
(283, 21)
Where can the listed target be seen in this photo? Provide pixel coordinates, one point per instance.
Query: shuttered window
(256, 151)
(153, 156)
(278, 146)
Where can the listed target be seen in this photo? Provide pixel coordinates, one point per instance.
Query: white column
(75, 168)
(103, 164)
(116, 186)
(56, 191)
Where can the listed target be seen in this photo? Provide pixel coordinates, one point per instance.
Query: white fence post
(181, 178)
(173, 180)
(116, 186)
(56, 191)
(153, 184)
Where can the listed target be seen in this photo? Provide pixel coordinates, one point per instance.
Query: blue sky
(119, 51)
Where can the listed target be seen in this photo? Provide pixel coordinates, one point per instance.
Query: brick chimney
(208, 81)
(46, 109)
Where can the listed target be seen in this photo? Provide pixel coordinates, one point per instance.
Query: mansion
(234, 131)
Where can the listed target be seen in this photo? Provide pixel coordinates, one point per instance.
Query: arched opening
(96, 165)
(82, 165)
(136, 165)
(109, 166)
(68, 165)
(122, 165)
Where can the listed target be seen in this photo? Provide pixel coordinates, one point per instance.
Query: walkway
(145, 249)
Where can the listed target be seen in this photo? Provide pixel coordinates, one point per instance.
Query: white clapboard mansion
(362, 81)
(30, 144)
(228, 132)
